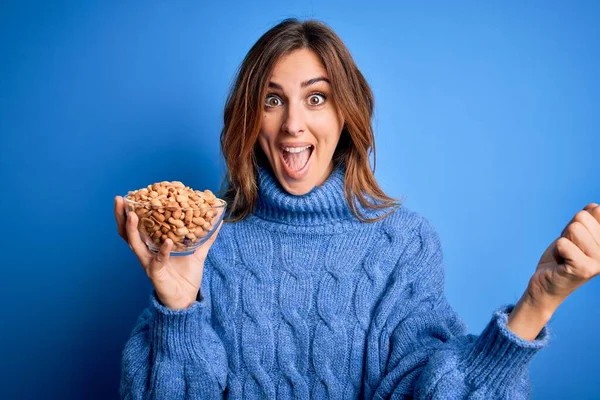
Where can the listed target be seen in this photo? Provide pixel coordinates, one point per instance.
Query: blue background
(486, 122)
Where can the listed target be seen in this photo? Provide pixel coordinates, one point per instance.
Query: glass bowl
(187, 227)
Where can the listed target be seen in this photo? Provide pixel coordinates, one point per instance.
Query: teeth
(296, 149)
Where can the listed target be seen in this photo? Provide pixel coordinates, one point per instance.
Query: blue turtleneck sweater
(301, 300)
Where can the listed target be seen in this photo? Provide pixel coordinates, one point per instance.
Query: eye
(272, 101)
(316, 99)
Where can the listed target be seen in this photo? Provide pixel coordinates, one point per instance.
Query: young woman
(319, 285)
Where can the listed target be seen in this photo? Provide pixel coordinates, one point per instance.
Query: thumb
(161, 258)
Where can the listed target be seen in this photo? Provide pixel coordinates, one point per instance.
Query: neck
(324, 204)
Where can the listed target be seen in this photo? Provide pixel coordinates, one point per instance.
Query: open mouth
(296, 159)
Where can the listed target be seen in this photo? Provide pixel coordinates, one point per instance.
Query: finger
(589, 208)
(589, 221)
(161, 258)
(135, 241)
(570, 253)
(578, 234)
(120, 217)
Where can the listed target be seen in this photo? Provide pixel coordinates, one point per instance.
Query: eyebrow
(303, 84)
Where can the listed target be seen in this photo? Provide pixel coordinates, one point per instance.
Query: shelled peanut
(173, 210)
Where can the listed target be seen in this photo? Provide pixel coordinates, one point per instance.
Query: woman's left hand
(570, 261)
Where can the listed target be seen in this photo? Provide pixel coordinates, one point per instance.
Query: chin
(297, 189)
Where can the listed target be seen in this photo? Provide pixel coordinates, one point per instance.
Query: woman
(320, 285)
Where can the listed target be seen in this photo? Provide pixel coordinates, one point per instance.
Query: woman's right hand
(176, 280)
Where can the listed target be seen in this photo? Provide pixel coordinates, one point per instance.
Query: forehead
(297, 67)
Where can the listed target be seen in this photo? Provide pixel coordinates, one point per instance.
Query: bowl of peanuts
(172, 210)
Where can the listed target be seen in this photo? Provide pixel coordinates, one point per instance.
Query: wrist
(178, 305)
(529, 316)
(535, 297)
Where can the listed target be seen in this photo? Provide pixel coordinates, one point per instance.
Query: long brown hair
(243, 110)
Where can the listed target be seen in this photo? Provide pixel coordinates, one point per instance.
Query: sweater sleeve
(173, 355)
(419, 346)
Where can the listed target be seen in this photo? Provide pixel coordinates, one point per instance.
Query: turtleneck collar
(323, 205)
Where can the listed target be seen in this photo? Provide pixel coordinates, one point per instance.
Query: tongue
(296, 161)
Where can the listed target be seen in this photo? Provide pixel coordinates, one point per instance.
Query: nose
(293, 122)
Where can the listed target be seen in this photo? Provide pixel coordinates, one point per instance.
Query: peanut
(198, 221)
(155, 202)
(176, 222)
(191, 236)
(189, 215)
(141, 211)
(210, 214)
(200, 232)
(182, 231)
(148, 222)
(209, 195)
(157, 215)
(182, 198)
(173, 236)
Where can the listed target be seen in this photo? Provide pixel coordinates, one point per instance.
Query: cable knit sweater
(301, 300)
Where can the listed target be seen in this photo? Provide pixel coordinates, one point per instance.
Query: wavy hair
(244, 107)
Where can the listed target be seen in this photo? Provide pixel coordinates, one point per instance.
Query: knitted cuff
(175, 333)
(498, 357)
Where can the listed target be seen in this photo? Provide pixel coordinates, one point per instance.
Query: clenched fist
(571, 260)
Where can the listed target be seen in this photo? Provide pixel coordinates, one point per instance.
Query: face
(300, 126)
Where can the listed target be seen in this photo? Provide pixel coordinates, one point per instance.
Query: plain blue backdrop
(486, 121)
